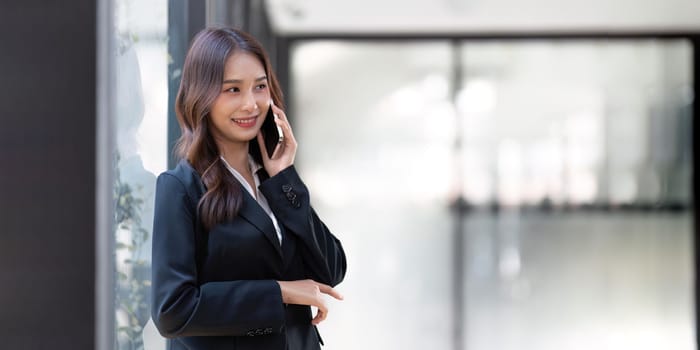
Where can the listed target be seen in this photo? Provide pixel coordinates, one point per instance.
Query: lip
(249, 122)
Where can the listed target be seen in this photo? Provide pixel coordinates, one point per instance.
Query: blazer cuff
(285, 192)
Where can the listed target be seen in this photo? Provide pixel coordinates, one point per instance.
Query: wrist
(283, 291)
(277, 171)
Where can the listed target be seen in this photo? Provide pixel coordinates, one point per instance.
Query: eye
(233, 89)
(261, 86)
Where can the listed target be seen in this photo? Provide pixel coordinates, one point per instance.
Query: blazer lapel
(253, 213)
(288, 242)
(288, 246)
(250, 209)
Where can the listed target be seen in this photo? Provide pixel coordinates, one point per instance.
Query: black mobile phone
(271, 132)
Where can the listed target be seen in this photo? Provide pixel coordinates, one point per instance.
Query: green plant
(133, 281)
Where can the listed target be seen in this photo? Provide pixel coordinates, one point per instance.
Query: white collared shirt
(256, 194)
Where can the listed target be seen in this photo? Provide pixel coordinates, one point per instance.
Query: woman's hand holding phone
(284, 153)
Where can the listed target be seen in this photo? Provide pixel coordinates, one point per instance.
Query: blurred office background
(503, 174)
(503, 191)
(529, 192)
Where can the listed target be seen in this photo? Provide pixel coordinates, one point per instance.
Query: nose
(249, 103)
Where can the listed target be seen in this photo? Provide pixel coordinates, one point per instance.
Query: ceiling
(475, 17)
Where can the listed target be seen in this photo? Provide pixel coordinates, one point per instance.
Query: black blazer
(217, 290)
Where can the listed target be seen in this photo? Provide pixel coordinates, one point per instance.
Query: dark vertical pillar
(47, 181)
(695, 178)
(185, 19)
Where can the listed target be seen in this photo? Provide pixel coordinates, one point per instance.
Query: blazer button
(286, 188)
(291, 196)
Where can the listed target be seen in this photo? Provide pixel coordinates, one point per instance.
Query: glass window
(585, 148)
(141, 124)
(374, 124)
(571, 160)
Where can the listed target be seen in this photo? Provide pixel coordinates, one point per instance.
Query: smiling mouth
(246, 121)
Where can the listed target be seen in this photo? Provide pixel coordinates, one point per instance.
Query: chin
(253, 134)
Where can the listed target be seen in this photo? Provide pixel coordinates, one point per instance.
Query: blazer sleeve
(180, 305)
(322, 252)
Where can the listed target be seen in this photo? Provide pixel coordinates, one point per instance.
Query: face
(238, 112)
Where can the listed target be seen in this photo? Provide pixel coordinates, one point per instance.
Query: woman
(239, 255)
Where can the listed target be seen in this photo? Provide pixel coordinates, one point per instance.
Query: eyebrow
(238, 81)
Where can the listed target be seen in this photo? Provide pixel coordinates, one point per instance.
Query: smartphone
(271, 132)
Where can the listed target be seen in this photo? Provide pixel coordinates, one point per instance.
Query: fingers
(279, 149)
(309, 292)
(330, 291)
(283, 122)
(287, 131)
(322, 313)
(320, 317)
(278, 112)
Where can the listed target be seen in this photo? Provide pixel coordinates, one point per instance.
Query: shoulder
(183, 172)
(182, 178)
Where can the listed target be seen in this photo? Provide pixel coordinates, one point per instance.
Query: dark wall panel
(185, 19)
(696, 181)
(47, 174)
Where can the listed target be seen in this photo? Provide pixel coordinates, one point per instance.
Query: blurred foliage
(132, 289)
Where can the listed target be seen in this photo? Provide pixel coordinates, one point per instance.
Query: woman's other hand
(284, 153)
(308, 292)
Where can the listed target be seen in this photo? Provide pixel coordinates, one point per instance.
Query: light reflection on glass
(543, 125)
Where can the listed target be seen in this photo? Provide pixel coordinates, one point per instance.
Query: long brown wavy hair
(202, 78)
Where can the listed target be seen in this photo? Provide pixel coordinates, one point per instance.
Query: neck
(236, 156)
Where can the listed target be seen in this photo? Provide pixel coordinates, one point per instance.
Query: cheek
(264, 102)
(217, 105)
(223, 106)
(264, 98)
